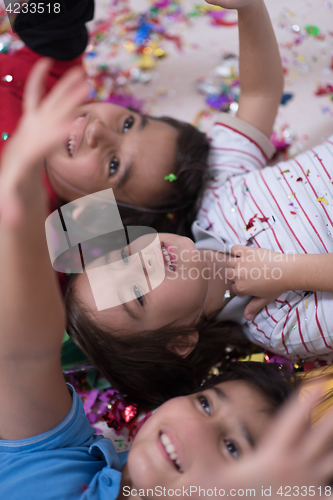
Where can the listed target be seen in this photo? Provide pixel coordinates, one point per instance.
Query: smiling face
(178, 297)
(112, 147)
(192, 439)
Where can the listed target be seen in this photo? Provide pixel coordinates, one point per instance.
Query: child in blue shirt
(48, 449)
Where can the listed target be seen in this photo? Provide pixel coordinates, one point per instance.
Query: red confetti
(251, 222)
(263, 219)
(299, 179)
(129, 413)
(324, 89)
(293, 213)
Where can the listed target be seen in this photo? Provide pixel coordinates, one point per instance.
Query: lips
(76, 135)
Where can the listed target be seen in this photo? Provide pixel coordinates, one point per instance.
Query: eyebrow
(244, 428)
(128, 168)
(130, 311)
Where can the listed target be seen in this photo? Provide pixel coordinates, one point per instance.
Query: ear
(183, 345)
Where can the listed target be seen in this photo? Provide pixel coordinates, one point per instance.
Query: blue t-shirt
(68, 462)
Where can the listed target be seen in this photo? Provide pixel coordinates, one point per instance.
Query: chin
(141, 469)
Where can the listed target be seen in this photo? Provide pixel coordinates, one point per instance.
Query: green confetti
(293, 327)
(312, 30)
(4, 136)
(170, 177)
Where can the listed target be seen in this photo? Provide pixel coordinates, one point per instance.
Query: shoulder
(230, 128)
(71, 450)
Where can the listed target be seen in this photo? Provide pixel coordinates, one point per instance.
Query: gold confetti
(323, 200)
(285, 171)
(306, 304)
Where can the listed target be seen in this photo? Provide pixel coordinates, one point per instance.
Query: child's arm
(266, 274)
(33, 395)
(261, 73)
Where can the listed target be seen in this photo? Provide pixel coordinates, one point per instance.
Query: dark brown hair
(274, 381)
(141, 366)
(177, 211)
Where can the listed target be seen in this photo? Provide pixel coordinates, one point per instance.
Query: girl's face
(190, 440)
(112, 147)
(179, 298)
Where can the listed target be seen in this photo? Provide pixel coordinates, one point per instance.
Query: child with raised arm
(285, 208)
(107, 146)
(47, 448)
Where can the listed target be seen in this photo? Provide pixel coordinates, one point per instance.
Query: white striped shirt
(287, 208)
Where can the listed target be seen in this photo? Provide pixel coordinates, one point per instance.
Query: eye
(232, 448)
(114, 165)
(125, 255)
(205, 404)
(139, 295)
(128, 124)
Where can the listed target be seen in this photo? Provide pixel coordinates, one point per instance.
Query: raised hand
(45, 122)
(293, 457)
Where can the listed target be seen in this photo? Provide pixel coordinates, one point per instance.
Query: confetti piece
(293, 213)
(285, 98)
(307, 172)
(170, 177)
(323, 200)
(251, 222)
(4, 136)
(312, 30)
(285, 171)
(293, 327)
(263, 219)
(306, 304)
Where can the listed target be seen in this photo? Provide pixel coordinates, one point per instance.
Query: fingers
(238, 250)
(68, 93)
(322, 439)
(254, 306)
(35, 86)
(69, 90)
(293, 423)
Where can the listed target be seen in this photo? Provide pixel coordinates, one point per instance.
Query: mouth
(169, 257)
(170, 451)
(76, 135)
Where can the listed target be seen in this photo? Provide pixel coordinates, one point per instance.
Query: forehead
(246, 403)
(115, 316)
(151, 154)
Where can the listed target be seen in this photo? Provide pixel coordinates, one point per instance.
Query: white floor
(172, 90)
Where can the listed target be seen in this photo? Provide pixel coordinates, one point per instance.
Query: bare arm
(33, 395)
(261, 73)
(267, 274)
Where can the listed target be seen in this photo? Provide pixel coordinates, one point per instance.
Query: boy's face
(112, 147)
(203, 433)
(179, 298)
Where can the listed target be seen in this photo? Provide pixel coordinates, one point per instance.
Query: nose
(152, 255)
(98, 133)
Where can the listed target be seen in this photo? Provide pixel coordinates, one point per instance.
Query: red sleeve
(18, 66)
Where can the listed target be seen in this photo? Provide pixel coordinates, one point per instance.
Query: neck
(216, 262)
(125, 481)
